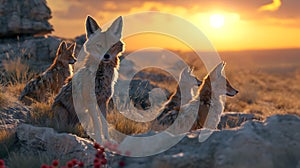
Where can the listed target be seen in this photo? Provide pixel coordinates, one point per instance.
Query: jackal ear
(91, 26)
(184, 73)
(192, 69)
(217, 72)
(72, 46)
(116, 27)
(62, 47)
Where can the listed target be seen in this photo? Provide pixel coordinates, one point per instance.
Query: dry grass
(266, 86)
(15, 89)
(16, 71)
(7, 142)
(40, 114)
(3, 99)
(125, 125)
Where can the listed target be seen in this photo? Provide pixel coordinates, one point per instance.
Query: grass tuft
(7, 142)
(16, 71)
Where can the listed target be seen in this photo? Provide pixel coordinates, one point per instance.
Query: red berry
(100, 154)
(97, 165)
(70, 164)
(96, 146)
(102, 149)
(121, 163)
(2, 162)
(80, 164)
(96, 160)
(55, 163)
(2, 166)
(74, 161)
(44, 166)
(103, 161)
(50, 167)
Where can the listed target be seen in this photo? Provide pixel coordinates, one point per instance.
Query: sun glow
(217, 20)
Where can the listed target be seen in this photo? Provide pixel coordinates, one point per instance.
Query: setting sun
(217, 20)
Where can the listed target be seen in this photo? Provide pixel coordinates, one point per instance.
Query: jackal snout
(230, 91)
(113, 52)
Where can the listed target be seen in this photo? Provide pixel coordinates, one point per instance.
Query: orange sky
(248, 24)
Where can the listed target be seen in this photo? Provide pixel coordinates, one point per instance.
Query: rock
(24, 17)
(268, 144)
(80, 40)
(235, 119)
(39, 140)
(23, 22)
(35, 49)
(12, 116)
(138, 93)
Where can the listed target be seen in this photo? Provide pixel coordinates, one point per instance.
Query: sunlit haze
(229, 25)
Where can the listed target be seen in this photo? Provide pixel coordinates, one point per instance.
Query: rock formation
(24, 17)
(35, 140)
(268, 144)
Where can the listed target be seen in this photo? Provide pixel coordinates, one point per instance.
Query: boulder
(39, 140)
(24, 17)
(268, 144)
(12, 116)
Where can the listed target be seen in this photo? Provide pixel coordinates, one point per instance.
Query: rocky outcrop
(24, 17)
(23, 22)
(11, 116)
(34, 49)
(268, 144)
(235, 119)
(38, 140)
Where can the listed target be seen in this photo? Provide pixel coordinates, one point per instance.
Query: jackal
(106, 74)
(210, 101)
(182, 95)
(51, 81)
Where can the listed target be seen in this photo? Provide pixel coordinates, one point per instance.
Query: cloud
(257, 24)
(247, 9)
(289, 9)
(73, 12)
(271, 7)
